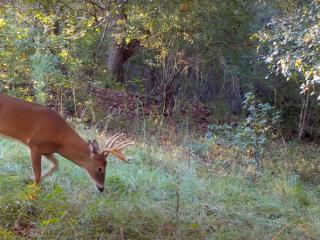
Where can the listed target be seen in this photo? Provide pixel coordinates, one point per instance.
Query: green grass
(158, 196)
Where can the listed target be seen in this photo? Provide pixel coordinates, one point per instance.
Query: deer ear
(91, 147)
(96, 145)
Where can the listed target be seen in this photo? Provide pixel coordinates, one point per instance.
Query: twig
(102, 39)
(121, 233)
(283, 229)
(1, 151)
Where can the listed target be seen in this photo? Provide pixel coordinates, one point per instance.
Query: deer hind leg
(54, 166)
(36, 165)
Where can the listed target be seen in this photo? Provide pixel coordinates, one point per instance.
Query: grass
(167, 192)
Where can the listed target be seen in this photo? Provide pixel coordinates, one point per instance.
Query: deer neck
(76, 150)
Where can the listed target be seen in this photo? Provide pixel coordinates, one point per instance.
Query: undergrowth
(193, 190)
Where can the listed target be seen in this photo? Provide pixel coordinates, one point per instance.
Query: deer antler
(113, 139)
(116, 150)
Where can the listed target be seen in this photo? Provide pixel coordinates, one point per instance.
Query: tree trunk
(119, 52)
(115, 62)
(303, 115)
(119, 55)
(168, 101)
(233, 94)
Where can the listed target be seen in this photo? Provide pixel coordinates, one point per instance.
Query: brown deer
(45, 132)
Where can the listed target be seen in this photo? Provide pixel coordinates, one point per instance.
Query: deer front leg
(54, 166)
(36, 165)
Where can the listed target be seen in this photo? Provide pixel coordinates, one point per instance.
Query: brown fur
(45, 132)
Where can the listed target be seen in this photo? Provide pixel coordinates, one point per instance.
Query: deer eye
(100, 169)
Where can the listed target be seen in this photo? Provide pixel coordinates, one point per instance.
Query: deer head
(98, 169)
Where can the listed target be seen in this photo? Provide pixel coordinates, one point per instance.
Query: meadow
(183, 187)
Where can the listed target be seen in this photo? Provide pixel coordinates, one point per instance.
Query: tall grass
(165, 193)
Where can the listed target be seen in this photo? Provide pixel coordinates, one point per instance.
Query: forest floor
(177, 187)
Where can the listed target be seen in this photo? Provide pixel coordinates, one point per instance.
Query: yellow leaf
(29, 99)
(298, 63)
(2, 23)
(254, 37)
(64, 54)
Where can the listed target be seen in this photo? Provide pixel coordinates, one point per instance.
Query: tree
(184, 42)
(292, 42)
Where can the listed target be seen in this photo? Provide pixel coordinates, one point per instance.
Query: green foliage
(43, 67)
(252, 134)
(292, 45)
(262, 117)
(38, 55)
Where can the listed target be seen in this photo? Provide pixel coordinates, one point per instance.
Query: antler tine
(119, 155)
(123, 145)
(116, 150)
(112, 140)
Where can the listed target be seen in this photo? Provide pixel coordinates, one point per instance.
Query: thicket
(172, 52)
(195, 51)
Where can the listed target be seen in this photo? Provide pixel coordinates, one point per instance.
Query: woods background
(178, 58)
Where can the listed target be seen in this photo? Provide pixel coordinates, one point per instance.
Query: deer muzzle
(100, 188)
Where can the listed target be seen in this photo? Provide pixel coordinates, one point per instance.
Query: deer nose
(100, 189)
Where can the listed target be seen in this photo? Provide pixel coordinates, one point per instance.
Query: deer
(46, 133)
